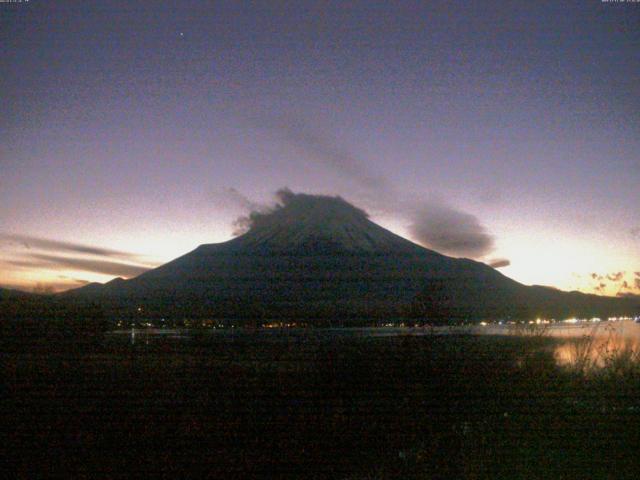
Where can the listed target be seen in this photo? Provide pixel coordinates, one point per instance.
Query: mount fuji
(316, 257)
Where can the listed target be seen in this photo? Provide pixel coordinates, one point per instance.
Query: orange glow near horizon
(561, 263)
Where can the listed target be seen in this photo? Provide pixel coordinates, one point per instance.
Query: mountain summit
(301, 221)
(318, 257)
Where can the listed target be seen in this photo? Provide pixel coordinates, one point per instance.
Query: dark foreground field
(315, 406)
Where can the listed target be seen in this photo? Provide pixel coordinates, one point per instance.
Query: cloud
(499, 263)
(37, 253)
(635, 232)
(23, 263)
(615, 280)
(79, 281)
(257, 212)
(451, 231)
(600, 287)
(615, 277)
(433, 224)
(300, 203)
(233, 199)
(38, 243)
(325, 150)
(106, 267)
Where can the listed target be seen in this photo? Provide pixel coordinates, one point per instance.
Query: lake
(592, 343)
(587, 344)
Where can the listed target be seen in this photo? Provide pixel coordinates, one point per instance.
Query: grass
(604, 354)
(320, 406)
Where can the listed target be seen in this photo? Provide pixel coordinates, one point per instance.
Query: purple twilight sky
(133, 131)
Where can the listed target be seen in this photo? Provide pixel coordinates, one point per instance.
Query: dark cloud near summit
(433, 224)
(499, 263)
(450, 231)
(302, 203)
(258, 213)
(436, 226)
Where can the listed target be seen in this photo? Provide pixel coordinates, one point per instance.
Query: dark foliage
(28, 320)
(316, 405)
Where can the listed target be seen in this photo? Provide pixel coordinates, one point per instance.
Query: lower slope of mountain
(320, 257)
(7, 293)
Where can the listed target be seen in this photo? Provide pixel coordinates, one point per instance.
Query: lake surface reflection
(598, 345)
(587, 344)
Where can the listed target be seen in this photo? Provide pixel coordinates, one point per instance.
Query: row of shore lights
(545, 321)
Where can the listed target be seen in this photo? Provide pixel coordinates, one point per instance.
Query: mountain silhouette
(319, 257)
(7, 293)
